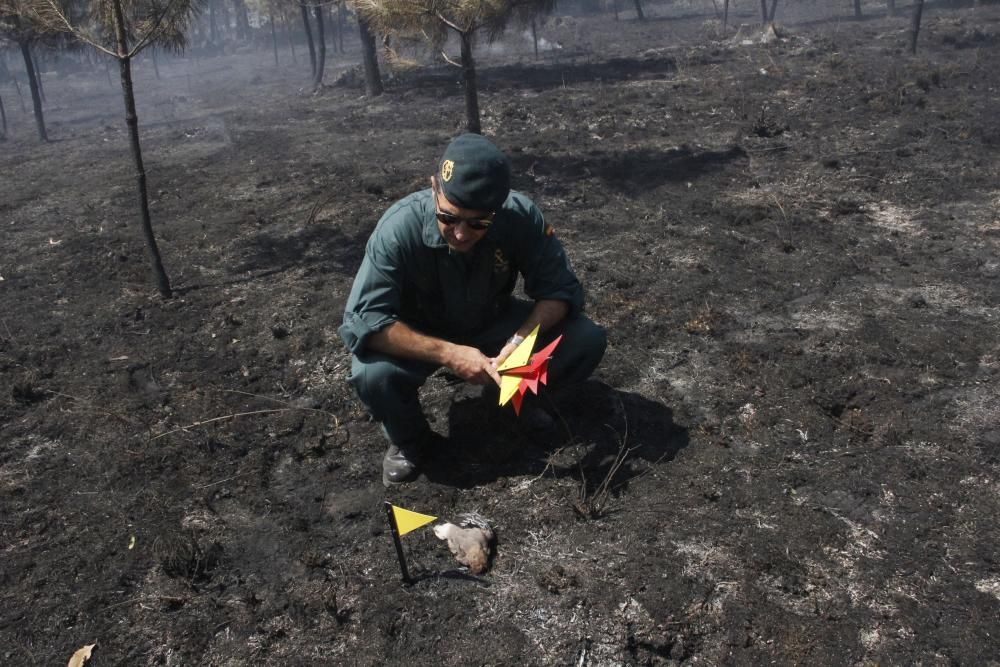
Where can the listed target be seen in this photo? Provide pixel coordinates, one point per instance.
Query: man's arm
(546, 314)
(401, 340)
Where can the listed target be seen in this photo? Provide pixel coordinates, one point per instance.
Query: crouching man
(435, 289)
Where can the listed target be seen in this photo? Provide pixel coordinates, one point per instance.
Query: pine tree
(435, 19)
(122, 29)
(17, 25)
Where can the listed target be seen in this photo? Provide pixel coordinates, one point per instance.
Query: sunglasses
(449, 219)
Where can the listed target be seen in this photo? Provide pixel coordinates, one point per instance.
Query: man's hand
(546, 314)
(472, 365)
(502, 355)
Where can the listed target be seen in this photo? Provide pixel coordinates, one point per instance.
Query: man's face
(461, 228)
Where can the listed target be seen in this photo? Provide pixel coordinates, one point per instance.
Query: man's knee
(593, 341)
(585, 346)
(378, 379)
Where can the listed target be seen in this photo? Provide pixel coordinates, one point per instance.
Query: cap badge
(447, 169)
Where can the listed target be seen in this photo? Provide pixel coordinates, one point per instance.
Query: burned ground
(794, 249)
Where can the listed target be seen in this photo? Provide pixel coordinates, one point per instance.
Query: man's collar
(429, 231)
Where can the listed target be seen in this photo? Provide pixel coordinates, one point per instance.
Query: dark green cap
(474, 174)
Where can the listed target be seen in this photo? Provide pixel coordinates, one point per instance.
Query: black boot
(399, 466)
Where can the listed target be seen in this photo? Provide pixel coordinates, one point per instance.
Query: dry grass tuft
(703, 322)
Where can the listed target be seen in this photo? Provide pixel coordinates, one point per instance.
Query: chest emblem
(500, 263)
(447, 169)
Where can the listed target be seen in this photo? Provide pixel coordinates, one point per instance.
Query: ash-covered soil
(794, 247)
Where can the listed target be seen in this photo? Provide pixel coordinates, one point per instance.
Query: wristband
(515, 339)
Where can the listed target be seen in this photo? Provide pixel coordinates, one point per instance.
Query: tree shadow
(596, 424)
(903, 15)
(538, 77)
(323, 248)
(632, 171)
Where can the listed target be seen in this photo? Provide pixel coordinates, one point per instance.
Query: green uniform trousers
(388, 386)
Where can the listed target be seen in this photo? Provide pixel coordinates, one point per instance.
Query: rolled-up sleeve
(545, 266)
(376, 295)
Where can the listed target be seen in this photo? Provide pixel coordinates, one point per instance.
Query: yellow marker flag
(519, 357)
(407, 521)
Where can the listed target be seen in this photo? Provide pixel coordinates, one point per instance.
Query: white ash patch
(886, 510)
(871, 638)
(554, 632)
(989, 586)
(704, 558)
(894, 218)
(833, 317)
(39, 447)
(887, 298)
(15, 471)
(977, 408)
(990, 359)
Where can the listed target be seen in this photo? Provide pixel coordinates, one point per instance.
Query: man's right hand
(472, 365)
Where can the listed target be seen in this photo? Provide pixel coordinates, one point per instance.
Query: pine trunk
(242, 20)
(857, 9)
(274, 37)
(534, 36)
(373, 79)
(156, 65)
(890, 6)
(335, 24)
(638, 10)
(36, 98)
(132, 120)
(341, 24)
(38, 77)
(3, 118)
(20, 96)
(774, 8)
(763, 11)
(288, 35)
(321, 47)
(918, 10)
(725, 15)
(472, 123)
(309, 38)
(213, 28)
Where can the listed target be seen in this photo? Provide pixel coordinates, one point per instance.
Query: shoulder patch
(549, 230)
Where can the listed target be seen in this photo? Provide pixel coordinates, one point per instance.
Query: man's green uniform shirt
(409, 274)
